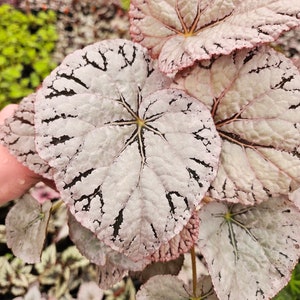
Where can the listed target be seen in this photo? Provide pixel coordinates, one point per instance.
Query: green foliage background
(26, 43)
(292, 290)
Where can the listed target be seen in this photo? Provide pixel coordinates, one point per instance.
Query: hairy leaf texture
(254, 98)
(132, 159)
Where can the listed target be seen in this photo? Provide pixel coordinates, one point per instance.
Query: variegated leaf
(26, 225)
(250, 251)
(180, 243)
(17, 134)
(97, 252)
(171, 267)
(168, 287)
(109, 274)
(254, 97)
(180, 32)
(127, 154)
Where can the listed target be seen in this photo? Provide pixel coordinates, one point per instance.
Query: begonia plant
(191, 145)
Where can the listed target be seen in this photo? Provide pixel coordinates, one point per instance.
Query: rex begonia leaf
(180, 243)
(295, 197)
(109, 274)
(26, 225)
(254, 98)
(179, 32)
(171, 267)
(131, 159)
(250, 250)
(169, 287)
(17, 134)
(97, 252)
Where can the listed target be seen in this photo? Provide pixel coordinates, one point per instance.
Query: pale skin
(15, 179)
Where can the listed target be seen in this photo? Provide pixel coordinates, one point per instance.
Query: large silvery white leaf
(26, 225)
(17, 134)
(256, 109)
(250, 251)
(180, 32)
(132, 160)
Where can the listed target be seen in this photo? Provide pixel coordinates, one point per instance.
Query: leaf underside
(256, 109)
(250, 251)
(127, 153)
(179, 32)
(17, 134)
(26, 225)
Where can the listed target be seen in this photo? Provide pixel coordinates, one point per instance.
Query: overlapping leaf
(17, 134)
(250, 251)
(131, 160)
(172, 267)
(254, 97)
(295, 197)
(180, 32)
(26, 225)
(99, 253)
(168, 287)
(180, 243)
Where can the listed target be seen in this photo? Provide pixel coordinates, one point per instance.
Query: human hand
(15, 178)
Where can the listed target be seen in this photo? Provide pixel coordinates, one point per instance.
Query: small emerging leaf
(26, 225)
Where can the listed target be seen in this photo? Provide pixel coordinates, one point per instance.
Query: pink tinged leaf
(43, 193)
(171, 267)
(89, 291)
(109, 274)
(99, 253)
(167, 287)
(181, 243)
(250, 251)
(128, 154)
(181, 32)
(17, 134)
(256, 109)
(26, 225)
(295, 197)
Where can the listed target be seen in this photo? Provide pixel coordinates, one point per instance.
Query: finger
(15, 179)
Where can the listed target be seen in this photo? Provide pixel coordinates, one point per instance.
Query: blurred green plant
(292, 290)
(125, 4)
(26, 43)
